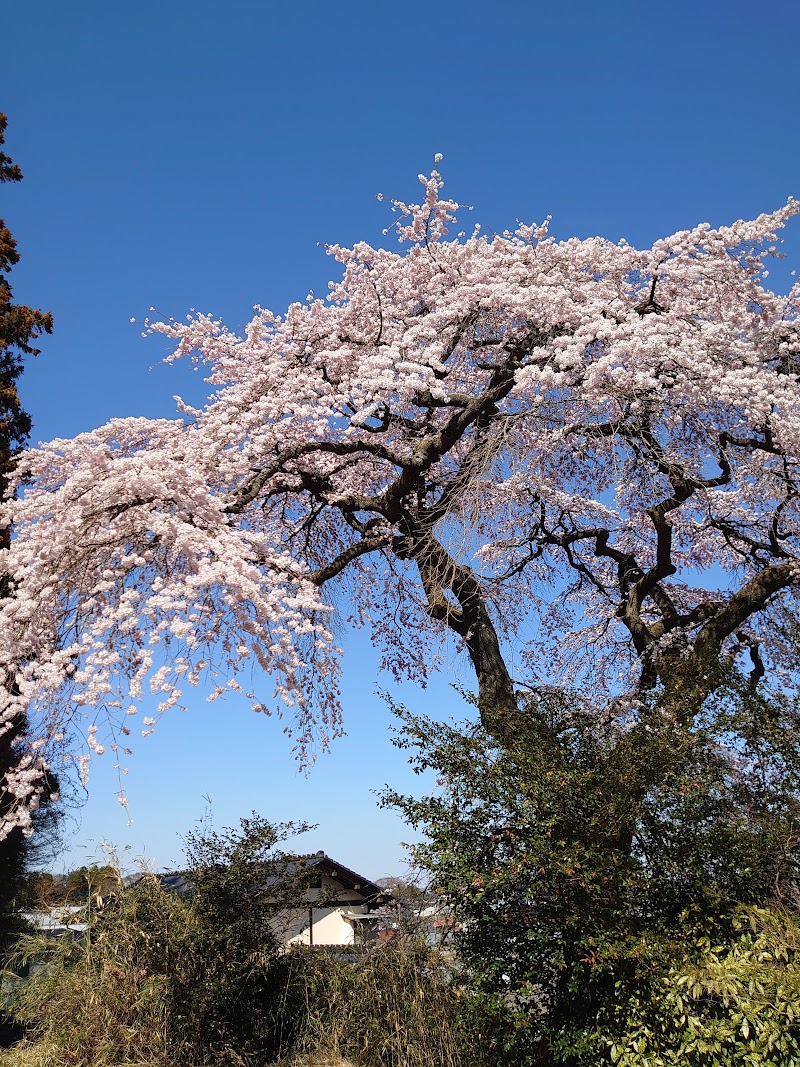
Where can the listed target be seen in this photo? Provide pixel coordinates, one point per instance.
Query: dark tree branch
(742, 605)
(246, 494)
(360, 548)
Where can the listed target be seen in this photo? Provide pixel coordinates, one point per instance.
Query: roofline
(313, 859)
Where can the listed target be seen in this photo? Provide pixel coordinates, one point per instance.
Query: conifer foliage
(20, 326)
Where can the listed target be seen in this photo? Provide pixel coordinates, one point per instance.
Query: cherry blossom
(576, 458)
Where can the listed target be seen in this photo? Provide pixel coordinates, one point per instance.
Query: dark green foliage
(43, 890)
(587, 862)
(19, 327)
(91, 885)
(232, 996)
(13, 852)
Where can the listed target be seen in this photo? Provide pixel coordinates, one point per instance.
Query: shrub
(599, 858)
(185, 980)
(391, 1006)
(737, 1005)
(106, 999)
(163, 978)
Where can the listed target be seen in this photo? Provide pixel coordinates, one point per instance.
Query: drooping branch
(258, 482)
(339, 563)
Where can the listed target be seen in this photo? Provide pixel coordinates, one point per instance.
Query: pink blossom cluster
(501, 397)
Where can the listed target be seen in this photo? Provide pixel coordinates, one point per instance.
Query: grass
(148, 989)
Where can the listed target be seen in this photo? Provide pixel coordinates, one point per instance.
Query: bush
(171, 980)
(106, 1000)
(390, 1006)
(599, 858)
(737, 1005)
(164, 978)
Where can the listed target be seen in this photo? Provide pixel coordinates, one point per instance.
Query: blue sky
(195, 155)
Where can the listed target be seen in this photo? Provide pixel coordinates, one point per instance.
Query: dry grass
(124, 999)
(94, 1004)
(323, 1061)
(45, 1054)
(28, 1054)
(49, 1054)
(387, 1008)
(383, 1009)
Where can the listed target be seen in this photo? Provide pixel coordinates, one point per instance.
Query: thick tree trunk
(442, 575)
(497, 702)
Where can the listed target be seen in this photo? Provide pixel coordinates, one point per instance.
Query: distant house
(338, 906)
(58, 920)
(342, 906)
(64, 920)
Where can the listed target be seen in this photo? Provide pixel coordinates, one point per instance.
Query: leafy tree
(91, 884)
(475, 437)
(43, 889)
(19, 769)
(592, 862)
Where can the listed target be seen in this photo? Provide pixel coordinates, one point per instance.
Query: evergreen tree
(20, 326)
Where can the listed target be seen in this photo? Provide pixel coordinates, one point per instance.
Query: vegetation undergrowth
(393, 1006)
(623, 885)
(619, 892)
(201, 978)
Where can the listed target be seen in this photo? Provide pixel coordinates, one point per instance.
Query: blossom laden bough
(464, 435)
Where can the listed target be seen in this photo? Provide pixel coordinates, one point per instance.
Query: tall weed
(383, 1007)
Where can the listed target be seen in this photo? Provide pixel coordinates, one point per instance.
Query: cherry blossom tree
(575, 458)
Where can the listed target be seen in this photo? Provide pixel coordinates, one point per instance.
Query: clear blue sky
(194, 155)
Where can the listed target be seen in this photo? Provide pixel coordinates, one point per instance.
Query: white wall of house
(328, 923)
(329, 927)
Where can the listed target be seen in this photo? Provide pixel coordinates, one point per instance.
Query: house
(336, 905)
(64, 920)
(342, 906)
(58, 920)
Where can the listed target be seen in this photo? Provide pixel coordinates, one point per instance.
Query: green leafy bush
(598, 858)
(736, 1005)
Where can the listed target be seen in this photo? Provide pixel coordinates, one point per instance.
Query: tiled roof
(292, 866)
